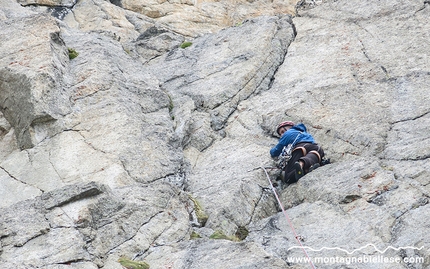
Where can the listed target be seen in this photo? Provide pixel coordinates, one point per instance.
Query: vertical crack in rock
(53, 167)
(364, 51)
(243, 95)
(385, 71)
(131, 238)
(273, 76)
(153, 243)
(125, 168)
(263, 193)
(269, 75)
(399, 215)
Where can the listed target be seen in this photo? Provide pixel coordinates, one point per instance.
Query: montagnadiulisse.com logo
(388, 255)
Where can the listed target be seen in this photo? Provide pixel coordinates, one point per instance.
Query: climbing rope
(288, 219)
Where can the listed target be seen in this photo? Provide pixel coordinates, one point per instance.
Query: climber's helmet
(283, 124)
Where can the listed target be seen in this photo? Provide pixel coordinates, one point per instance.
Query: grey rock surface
(41, 98)
(116, 140)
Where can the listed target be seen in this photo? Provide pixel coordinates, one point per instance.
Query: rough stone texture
(41, 99)
(360, 88)
(51, 3)
(196, 17)
(195, 254)
(120, 151)
(92, 224)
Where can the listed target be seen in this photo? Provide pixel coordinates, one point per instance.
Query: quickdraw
(286, 154)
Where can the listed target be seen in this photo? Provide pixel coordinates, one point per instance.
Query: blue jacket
(296, 134)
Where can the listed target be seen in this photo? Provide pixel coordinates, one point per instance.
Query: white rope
(288, 219)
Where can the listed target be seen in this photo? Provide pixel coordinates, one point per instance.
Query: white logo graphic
(355, 250)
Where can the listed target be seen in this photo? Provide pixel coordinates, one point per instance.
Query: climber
(305, 155)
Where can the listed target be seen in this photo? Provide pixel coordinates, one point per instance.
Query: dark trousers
(309, 153)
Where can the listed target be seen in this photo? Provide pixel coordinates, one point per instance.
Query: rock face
(138, 130)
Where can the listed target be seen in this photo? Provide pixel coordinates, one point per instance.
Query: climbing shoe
(313, 167)
(325, 161)
(299, 170)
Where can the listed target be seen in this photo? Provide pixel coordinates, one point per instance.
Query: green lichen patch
(240, 235)
(194, 235)
(186, 45)
(200, 213)
(72, 53)
(129, 264)
(220, 235)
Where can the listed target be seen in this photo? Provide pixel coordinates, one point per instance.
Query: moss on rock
(200, 213)
(130, 264)
(185, 45)
(72, 53)
(194, 235)
(240, 235)
(220, 235)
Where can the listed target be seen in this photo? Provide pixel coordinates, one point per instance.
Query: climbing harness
(285, 156)
(288, 219)
(287, 153)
